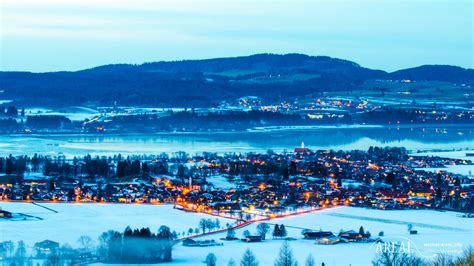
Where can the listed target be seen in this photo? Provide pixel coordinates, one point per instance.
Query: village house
(317, 235)
(200, 243)
(46, 247)
(331, 240)
(5, 214)
(420, 193)
(385, 194)
(353, 236)
(249, 239)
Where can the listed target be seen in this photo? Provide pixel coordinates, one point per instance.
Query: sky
(52, 35)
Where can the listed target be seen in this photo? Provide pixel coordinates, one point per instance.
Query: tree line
(137, 246)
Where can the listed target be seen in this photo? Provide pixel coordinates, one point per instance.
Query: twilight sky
(50, 35)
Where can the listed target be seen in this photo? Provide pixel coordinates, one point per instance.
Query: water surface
(414, 139)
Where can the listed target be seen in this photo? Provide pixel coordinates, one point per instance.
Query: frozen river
(347, 138)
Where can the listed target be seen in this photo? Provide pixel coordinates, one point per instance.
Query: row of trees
(385, 258)
(202, 121)
(35, 122)
(279, 231)
(401, 116)
(11, 111)
(13, 165)
(209, 224)
(142, 246)
(285, 258)
(14, 256)
(85, 166)
(137, 246)
(19, 256)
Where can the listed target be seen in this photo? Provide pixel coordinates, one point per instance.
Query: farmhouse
(331, 240)
(353, 236)
(5, 214)
(46, 247)
(317, 235)
(200, 243)
(252, 239)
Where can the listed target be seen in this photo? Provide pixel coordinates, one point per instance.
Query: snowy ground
(74, 220)
(221, 182)
(438, 232)
(459, 154)
(467, 170)
(277, 128)
(75, 113)
(434, 228)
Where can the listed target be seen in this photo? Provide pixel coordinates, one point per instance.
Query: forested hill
(260, 63)
(435, 73)
(207, 82)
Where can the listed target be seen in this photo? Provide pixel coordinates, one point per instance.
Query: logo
(404, 245)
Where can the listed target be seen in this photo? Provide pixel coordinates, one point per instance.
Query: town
(247, 185)
(242, 189)
(245, 113)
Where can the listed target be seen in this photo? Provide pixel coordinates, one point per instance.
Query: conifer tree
(276, 231)
(286, 257)
(248, 259)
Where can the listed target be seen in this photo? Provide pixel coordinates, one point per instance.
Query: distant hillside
(246, 65)
(206, 82)
(435, 73)
(257, 63)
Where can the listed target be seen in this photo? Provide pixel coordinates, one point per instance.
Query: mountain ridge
(204, 82)
(185, 61)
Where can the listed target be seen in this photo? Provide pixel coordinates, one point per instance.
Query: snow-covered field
(221, 182)
(73, 220)
(459, 154)
(75, 113)
(467, 170)
(434, 228)
(277, 128)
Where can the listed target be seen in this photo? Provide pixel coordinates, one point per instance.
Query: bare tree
(103, 243)
(392, 257)
(54, 259)
(20, 254)
(85, 242)
(386, 258)
(310, 261)
(443, 260)
(203, 224)
(263, 229)
(6, 249)
(467, 258)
